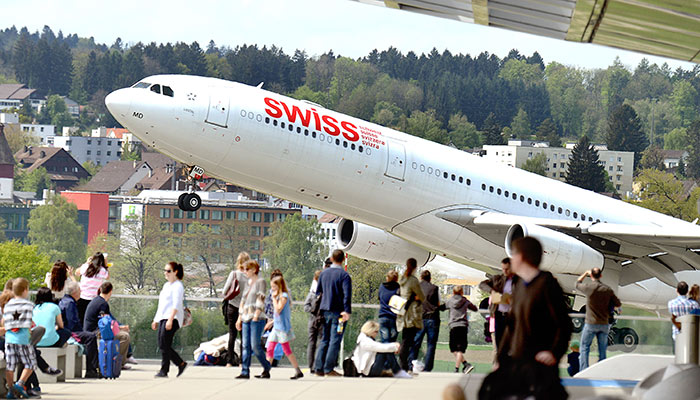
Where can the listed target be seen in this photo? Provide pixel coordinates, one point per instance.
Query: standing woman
(282, 327)
(233, 306)
(412, 320)
(168, 319)
(251, 321)
(57, 278)
(92, 274)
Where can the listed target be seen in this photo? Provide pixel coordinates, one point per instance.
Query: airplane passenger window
(469, 182)
(529, 200)
(491, 189)
(560, 210)
(483, 186)
(437, 172)
(430, 170)
(306, 132)
(360, 149)
(141, 85)
(461, 179)
(313, 135)
(298, 129)
(352, 146)
(345, 144)
(522, 198)
(537, 203)
(575, 215)
(551, 207)
(414, 165)
(515, 196)
(291, 127)
(274, 122)
(583, 217)
(453, 177)
(337, 142)
(544, 205)
(597, 221)
(168, 91)
(506, 193)
(567, 213)
(282, 125)
(155, 89)
(422, 168)
(445, 175)
(590, 219)
(267, 120)
(498, 191)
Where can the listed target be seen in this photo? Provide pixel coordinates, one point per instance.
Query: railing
(654, 334)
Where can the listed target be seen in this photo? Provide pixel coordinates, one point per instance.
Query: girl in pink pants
(282, 324)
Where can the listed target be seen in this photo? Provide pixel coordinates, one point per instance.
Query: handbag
(187, 317)
(349, 368)
(397, 304)
(233, 290)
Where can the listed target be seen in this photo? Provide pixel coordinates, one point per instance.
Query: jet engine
(374, 244)
(562, 253)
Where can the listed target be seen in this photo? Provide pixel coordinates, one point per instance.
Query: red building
(97, 207)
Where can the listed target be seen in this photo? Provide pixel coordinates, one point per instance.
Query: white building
(618, 164)
(96, 149)
(672, 158)
(42, 132)
(127, 138)
(9, 118)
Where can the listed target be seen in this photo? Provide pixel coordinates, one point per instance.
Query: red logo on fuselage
(324, 123)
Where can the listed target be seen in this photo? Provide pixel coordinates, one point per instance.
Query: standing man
(679, 307)
(431, 322)
(501, 289)
(537, 332)
(600, 301)
(335, 288)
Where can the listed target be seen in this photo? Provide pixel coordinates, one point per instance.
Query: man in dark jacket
(500, 287)
(335, 289)
(537, 332)
(71, 321)
(431, 322)
(387, 318)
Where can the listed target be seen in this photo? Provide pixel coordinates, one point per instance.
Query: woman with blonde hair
(237, 276)
(371, 357)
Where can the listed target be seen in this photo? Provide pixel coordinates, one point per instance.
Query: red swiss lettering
(274, 105)
(332, 128)
(350, 132)
(292, 116)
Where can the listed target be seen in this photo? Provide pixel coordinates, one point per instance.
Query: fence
(654, 334)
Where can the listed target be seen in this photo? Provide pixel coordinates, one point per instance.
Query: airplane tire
(181, 202)
(579, 322)
(193, 202)
(628, 338)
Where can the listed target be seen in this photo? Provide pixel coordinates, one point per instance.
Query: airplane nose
(119, 103)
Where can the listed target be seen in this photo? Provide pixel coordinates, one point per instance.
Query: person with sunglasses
(169, 317)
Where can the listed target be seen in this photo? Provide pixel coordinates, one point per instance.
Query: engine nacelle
(562, 253)
(374, 244)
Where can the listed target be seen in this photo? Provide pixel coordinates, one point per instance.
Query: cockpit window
(168, 91)
(155, 88)
(141, 85)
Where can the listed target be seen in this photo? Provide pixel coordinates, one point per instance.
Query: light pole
(653, 118)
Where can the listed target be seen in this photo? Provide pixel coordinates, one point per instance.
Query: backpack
(108, 326)
(349, 368)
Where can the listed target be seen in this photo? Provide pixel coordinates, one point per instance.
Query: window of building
(165, 213)
(243, 215)
(191, 215)
(204, 214)
(177, 213)
(281, 217)
(99, 152)
(216, 229)
(164, 226)
(177, 227)
(269, 217)
(89, 152)
(619, 177)
(619, 159)
(230, 215)
(109, 143)
(109, 153)
(617, 187)
(555, 164)
(255, 231)
(216, 215)
(89, 141)
(255, 244)
(266, 231)
(257, 217)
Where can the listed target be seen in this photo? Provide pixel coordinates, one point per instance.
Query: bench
(55, 357)
(3, 390)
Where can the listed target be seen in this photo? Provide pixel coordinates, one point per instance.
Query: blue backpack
(105, 325)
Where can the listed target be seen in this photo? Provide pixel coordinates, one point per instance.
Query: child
(459, 327)
(573, 359)
(282, 327)
(17, 316)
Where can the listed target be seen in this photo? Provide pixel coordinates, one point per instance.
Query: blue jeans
(327, 353)
(589, 331)
(251, 335)
(431, 328)
(387, 330)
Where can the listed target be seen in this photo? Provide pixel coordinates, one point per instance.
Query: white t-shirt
(172, 296)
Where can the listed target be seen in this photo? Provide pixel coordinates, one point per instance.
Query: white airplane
(402, 196)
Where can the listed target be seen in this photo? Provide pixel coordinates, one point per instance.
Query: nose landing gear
(190, 201)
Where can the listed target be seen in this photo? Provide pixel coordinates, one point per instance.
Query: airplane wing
(668, 28)
(642, 252)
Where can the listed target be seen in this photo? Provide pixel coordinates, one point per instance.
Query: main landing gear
(623, 339)
(190, 201)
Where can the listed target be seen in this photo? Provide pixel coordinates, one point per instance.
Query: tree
(367, 276)
(584, 169)
(546, 130)
(653, 157)
(692, 169)
(138, 248)
(677, 139)
(625, 133)
(684, 102)
(22, 260)
(35, 180)
(91, 167)
(234, 239)
(492, 131)
(662, 192)
(55, 231)
(536, 165)
(521, 125)
(462, 133)
(202, 246)
(425, 125)
(296, 246)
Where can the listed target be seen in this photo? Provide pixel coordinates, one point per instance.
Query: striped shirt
(679, 307)
(89, 286)
(254, 300)
(17, 316)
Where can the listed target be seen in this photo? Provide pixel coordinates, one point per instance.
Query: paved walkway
(218, 383)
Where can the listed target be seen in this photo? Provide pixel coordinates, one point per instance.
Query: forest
(456, 99)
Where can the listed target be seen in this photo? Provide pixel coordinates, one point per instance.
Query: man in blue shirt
(680, 306)
(71, 321)
(335, 289)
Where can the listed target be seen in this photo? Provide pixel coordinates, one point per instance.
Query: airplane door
(396, 161)
(218, 109)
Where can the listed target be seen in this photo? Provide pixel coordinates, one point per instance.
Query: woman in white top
(92, 275)
(57, 278)
(233, 305)
(168, 319)
(371, 357)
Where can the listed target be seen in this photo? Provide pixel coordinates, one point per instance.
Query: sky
(348, 28)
